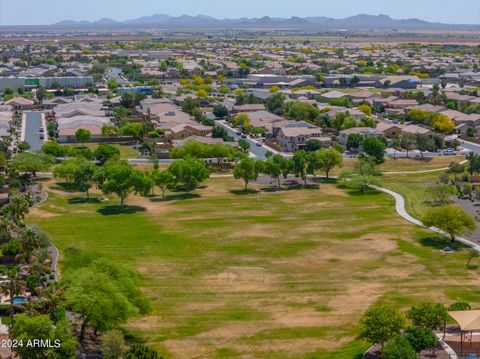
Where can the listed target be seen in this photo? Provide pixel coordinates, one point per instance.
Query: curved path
(400, 208)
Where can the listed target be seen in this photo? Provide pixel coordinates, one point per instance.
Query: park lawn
(125, 151)
(327, 255)
(413, 187)
(407, 164)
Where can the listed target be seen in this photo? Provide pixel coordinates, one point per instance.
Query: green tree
(41, 327)
(163, 180)
(82, 135)
(189, 172)
(122, 179)
(363, 183)
(329, 159)
(84, 176)
(31, 162)
(244, 145)
(17, 208)
(247, 170)
(313, 145)
(428, 315)
(459, 306)
(354, 140)
(441, 193)
(300, 165)
(105, 152)
(374, 148)
(471, 254)
(98, 300)
(421, 338)
(275, 103)
(451, 219)
(380, 324)
(220, 111)
(398, 348)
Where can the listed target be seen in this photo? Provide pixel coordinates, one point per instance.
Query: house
(20, 104)
(182, 131)
(363, 131)
(293, 137)
(416, 129)
(248, 108)
(364, 95)
(390, 130)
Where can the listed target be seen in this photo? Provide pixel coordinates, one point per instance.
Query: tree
(273, 169)
(105, 152)
(421, 338)
(456, 169)
(113, 344)
(41, 327)
(471, 254)
(31, 162)
(473, 163)
(244, 145)
(275, 103)
(300, 165)
(17, 208)
(441, 193)
(82, 135)
(247, 170)
(407, 141)
(428, 315)
(220, 111)
(363, 183)
(313, 145)
(29, 241)
(380, 324)
(366, 109)
(189, 172)
(374, 148)
(329, 159)
(97, 299)
(163, 180)
(442, 123)
(134, 129)
(12, 286)
(122, 179)
(423, 143)
(354, 140)
(84, 176)
(451, 219)
(398, 348)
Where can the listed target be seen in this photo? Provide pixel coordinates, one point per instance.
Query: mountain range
(202, 21)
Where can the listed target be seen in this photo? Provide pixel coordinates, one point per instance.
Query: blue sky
(15, 12)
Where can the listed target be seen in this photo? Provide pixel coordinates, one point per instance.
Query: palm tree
(29, 241)
(13, 286)
(17, 208)
(53, 297)
(42, 261)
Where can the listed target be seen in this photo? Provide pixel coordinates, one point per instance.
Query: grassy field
(410, 164)
(326, 255)
(125, 151)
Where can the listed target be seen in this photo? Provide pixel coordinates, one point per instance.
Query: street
(33, 123)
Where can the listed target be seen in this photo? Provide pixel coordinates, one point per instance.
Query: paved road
(33, 123)
(116, 73)
(255, 151)
(471, 146)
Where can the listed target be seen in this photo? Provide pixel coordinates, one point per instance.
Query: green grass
(327, 256)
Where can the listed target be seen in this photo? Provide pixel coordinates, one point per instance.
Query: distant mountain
(202, 21)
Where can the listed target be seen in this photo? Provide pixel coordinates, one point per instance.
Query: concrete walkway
(402, 212)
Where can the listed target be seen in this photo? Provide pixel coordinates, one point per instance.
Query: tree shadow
(358, 193)
(472, 266)
(438, 242)
(65, 187)
(82, 200)
(175, 197)
(242, 192)
(116, 210)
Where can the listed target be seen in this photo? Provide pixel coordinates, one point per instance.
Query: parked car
(41, 129)
(449, 152)
(41, 136)
(258, 144)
